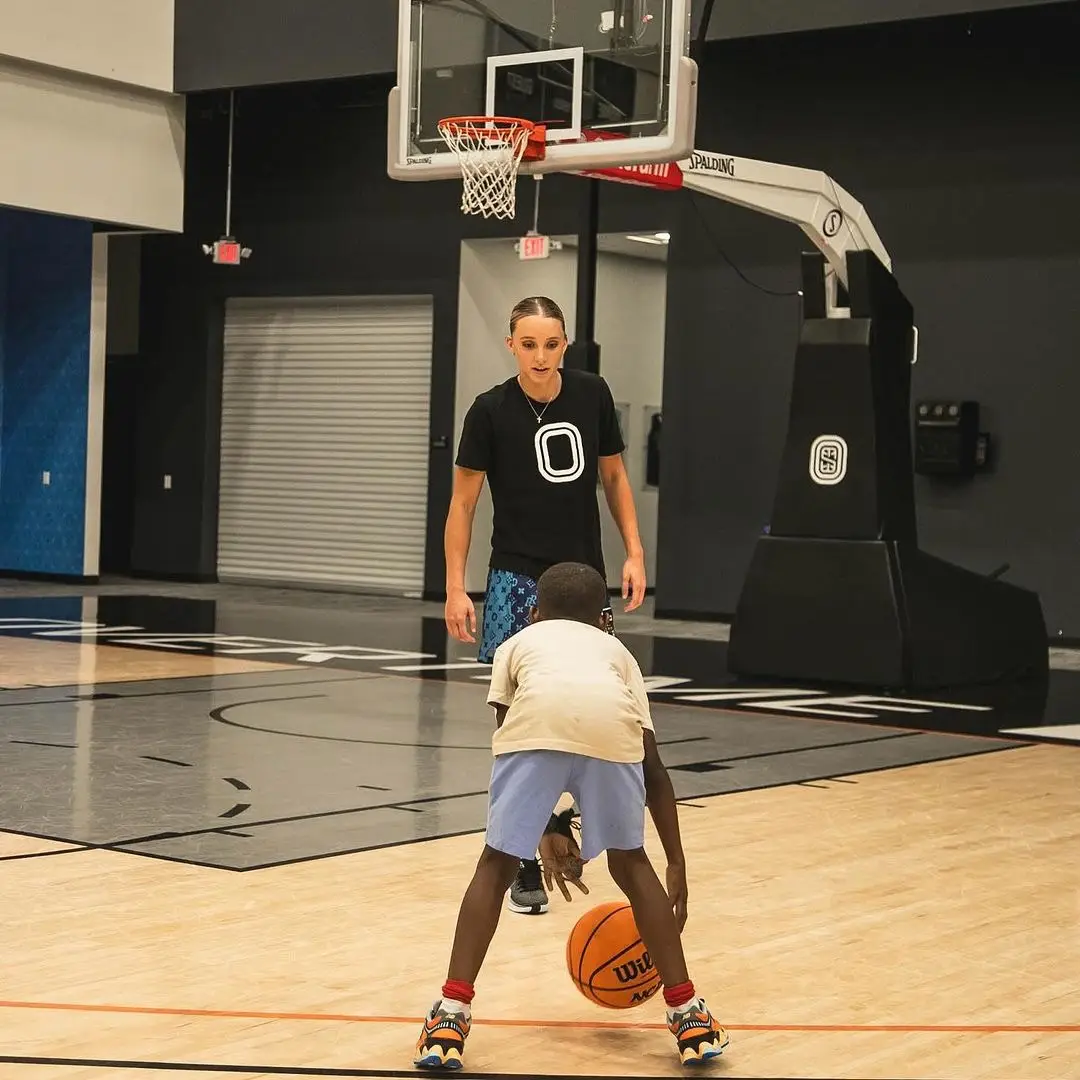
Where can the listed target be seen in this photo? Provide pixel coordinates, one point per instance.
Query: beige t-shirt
(572, 687)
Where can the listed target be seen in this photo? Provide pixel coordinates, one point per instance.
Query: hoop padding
(489, 150)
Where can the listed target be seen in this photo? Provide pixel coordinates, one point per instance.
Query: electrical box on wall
(947, 439)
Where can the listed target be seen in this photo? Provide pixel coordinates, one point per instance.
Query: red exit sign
(227, 252)
(534, 247)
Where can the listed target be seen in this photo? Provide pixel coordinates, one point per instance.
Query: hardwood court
(915, 923)
(26, 662)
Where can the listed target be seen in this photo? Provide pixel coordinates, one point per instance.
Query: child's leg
(446, 1027)
(524, 788)
(612, 800)
(479, 913)
(635, 876)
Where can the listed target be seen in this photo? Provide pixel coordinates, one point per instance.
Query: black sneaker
(527, 894)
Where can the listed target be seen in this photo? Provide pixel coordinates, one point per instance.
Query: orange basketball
(607, 960)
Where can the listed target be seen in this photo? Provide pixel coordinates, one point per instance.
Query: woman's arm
(459, 521)
(457, 536)
(620, 500)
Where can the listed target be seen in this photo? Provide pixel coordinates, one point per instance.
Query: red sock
(456, 990)
(677, 996)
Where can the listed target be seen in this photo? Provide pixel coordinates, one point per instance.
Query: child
(572, 715)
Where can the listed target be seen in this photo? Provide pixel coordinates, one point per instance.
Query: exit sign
(534, 247)
(227, 252)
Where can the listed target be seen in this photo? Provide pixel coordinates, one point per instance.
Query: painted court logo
(828, 460)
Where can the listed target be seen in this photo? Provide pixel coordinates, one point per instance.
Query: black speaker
(839, 592)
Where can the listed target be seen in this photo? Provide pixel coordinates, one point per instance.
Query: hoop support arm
(831, 217)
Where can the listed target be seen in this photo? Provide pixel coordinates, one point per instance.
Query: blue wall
(46, 266)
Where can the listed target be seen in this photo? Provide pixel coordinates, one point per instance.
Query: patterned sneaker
(527, 894)
(699, 1036)
(442, 1039)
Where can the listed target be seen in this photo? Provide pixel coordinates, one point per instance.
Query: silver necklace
(539, 415)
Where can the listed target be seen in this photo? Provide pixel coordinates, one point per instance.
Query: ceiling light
(663, 236)
(646, 240)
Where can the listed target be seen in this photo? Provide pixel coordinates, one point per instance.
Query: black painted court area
(379, 735)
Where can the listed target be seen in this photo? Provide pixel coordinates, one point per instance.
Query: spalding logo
(714, 163)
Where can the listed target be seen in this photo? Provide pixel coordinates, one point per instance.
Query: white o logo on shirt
(548, 471)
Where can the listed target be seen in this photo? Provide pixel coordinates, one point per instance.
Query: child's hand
(560, 857)
(676, 889)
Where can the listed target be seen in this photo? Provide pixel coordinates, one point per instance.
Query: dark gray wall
(970, 170)
(959, 136)
(313, 201)
(228, 43)
(750, 18)
(231, 43)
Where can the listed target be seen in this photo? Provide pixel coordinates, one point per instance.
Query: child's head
(571, 591)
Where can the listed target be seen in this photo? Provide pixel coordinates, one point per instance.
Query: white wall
(631, 306)
(630, 328)
(129, 41)
(91, 149)
(88, 120)
(493, 280)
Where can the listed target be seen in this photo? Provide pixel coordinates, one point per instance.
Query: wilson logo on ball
(633, 970)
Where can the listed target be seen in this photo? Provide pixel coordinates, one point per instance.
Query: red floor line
(236, 1014)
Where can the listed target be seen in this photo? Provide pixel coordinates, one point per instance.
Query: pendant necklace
(539, 415)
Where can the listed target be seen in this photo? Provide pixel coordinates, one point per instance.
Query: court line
(734, 706)
(76, 698)
(617, 1025)
(255, 867)
(119, 844)
(42, 854)
(218, 714)
(44, 836)
(130, 846)
(301, 1070)
(32, 742)
(813, 748)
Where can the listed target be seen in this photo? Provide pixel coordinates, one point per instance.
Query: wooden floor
(27, 662)
(915, 924)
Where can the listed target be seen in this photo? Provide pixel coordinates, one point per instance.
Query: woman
(542, 439)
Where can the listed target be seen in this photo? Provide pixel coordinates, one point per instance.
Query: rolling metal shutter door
(324, 441)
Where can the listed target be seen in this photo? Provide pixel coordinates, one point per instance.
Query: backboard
(611, 80)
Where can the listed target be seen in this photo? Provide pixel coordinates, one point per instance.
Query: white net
(489, 149)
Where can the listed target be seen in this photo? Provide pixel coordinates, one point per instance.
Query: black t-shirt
(543, 475)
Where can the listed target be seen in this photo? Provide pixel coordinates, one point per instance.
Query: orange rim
(498, 125)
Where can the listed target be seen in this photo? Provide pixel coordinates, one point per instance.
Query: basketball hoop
(489, 150)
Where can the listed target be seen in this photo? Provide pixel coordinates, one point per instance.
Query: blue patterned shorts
(508, 602)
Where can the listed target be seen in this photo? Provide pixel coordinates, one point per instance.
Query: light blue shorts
(526, 785)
